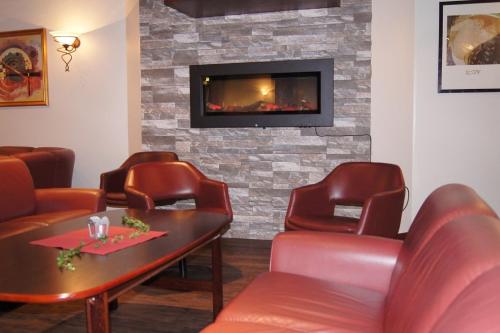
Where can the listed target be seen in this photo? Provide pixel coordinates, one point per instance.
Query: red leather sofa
(49, 166)
(22, 207)
(442, 278)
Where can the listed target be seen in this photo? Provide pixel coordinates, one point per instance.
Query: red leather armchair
(148, 183)
(22, 207)
(164, 183)
(112, 182)
(442, 278)
(376, 187)
(49, 166)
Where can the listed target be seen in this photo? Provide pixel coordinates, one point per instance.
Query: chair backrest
(164, 181)
(11, 150)
(438, 258)
(17, 194)
(149, 156)
(353, 183)
(452, 278)
(64, 162)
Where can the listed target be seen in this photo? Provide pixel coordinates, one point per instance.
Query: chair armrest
(59, 199)
(310, 200)
(363, 261)
(381, 214)
(139, 200)
(214, 195)
(114, 180)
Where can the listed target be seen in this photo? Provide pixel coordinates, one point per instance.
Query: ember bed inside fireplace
(264, 94)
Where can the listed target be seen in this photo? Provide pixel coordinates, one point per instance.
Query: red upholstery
(376, 187)
(306, 304)
(49, 166)
(337, 257)
(148, 183)
(112, 182)
(445, 204)
(23, 208)
(442, 278)
(460, 253)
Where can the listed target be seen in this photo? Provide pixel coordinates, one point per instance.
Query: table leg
(97, 311)
(183, 268)
(217, 294)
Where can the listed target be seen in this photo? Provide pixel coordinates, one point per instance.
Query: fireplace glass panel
(261, 94)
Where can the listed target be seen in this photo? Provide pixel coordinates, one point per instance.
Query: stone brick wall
(261, 166)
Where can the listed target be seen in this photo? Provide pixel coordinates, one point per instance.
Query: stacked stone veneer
(261, 166)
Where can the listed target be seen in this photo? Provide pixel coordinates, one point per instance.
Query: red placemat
(73, 239)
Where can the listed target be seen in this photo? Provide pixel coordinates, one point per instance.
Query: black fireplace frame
(323, 118)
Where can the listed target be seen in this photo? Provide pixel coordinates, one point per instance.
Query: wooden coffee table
(29, 273)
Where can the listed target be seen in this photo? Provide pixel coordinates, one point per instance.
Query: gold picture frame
(23, 68)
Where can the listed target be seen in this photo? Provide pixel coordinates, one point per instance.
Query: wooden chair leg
(113, 305)
(183, 268)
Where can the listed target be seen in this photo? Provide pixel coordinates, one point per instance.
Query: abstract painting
(23, 68)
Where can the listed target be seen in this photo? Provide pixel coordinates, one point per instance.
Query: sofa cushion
(9, 228)
(444, 274)
(342, 224)
(41, 167)
(441, 207)
(17, 195)
(116, 197)
(476, 310)
(52, 217)
(50, 167)
(11, 150)
(64, 162)
(27, 223)
(304, 304)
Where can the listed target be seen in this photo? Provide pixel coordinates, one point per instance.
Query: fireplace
(265, 94)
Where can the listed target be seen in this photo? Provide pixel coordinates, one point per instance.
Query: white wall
(88, 106)
(392, 88)
(133, 76)
(456, 135)
(435, 138)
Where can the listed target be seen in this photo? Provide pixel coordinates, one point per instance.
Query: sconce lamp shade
(69, 41)
(64, 38)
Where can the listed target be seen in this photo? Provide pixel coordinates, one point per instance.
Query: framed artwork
(23, 68)
(469, 46)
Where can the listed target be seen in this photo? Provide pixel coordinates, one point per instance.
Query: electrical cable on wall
(346, 135)
(407, 190)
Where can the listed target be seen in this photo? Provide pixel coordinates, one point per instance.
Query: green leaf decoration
(137, 224)
(65, 258)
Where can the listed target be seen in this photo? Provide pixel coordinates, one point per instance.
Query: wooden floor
(150, 309)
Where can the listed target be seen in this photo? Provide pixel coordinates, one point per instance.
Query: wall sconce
(69, 43)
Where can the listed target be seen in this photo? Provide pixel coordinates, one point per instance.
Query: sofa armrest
(363, 261)
(59, 199)
(381, 215)
(310, 200)
(114, 180)
(138, 200)
(214, 195)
